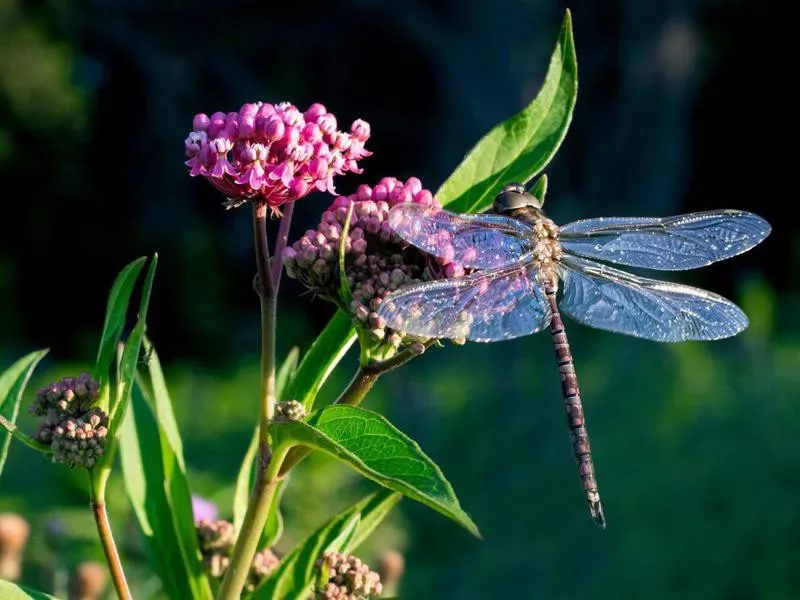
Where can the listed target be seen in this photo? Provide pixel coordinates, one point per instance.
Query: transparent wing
(486, 306)
(482, 241)
(667, 244)
(601, 296)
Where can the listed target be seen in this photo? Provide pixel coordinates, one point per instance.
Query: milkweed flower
(377, 260)
(349, 578)
(75, 430)
(273, 153)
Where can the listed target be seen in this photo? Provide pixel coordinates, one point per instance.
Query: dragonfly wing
(667, 244)
(480, 241)
(486, 306)
(601, 296)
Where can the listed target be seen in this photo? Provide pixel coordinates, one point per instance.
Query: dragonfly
(517, 258)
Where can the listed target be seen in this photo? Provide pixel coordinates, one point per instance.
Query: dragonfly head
(514, 196)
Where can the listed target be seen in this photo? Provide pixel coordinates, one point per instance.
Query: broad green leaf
(130, 360)
(246, 476)
(320, 360)
(520, 147)
(378, 450)
(343, 532)
(12, 386)
(116, 311)
(373, 509)
(539, 189)
(12, 591)
(151, 453)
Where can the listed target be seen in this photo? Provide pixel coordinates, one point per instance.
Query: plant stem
(266, 480)
(356, 391)
(280, 244)
(107, 541)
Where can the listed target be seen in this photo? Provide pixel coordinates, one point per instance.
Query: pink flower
(377, 260)
(273, 153)
(204, 510)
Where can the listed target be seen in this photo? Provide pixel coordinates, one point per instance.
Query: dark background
(681, 108)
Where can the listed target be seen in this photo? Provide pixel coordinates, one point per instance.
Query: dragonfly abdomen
(573, 406)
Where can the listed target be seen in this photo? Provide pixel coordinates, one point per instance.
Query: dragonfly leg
(574, 410)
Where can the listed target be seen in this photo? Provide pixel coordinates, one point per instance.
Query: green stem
(25, 439)
(107, 541)
(266, 480)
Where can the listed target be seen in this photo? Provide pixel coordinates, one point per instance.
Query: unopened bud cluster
(348, 578)
(273, 153)
(377, 260)
(75, 430)
(216, 540)
(291, 410)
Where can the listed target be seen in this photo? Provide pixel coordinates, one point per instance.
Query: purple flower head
(273, 153)
(377, 260)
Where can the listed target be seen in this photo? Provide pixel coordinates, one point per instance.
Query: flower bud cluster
(348, 578)
(273, 153)
(291, 410)
(80, 441)
(377, 260)
(75, 430)
(216, 540)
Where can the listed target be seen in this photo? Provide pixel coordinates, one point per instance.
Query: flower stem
(356, 391)
(266, 480)
(107, 541)
(280, 244)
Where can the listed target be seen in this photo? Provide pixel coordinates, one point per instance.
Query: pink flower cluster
(273, 153)
(377, 260)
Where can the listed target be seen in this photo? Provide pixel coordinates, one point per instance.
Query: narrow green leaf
(342, 533)
(12, 386)
(130, 360)
(378, 450)
(320, 360)
(117, 309)
(296, 573)
(246, 476)
(273, 528)
(12, 591)
(373, 509)
(520, 147)
(155, 480)
(539, 189)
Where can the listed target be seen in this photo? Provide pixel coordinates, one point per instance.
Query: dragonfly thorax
(513, 197)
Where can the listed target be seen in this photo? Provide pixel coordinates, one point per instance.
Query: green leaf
(128, 364)
(151, 453)
(12, 591)
(12, 386)
(297, 572)
(374, 447)
(117, 309)
(246, 476)
(539, 189)
(320, 360)
(520, 147)
(273, 528)
(374, 509)
(342, 533)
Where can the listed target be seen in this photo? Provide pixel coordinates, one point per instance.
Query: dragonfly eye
(514, 196)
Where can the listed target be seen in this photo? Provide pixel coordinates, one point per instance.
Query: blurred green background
(681, 108)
